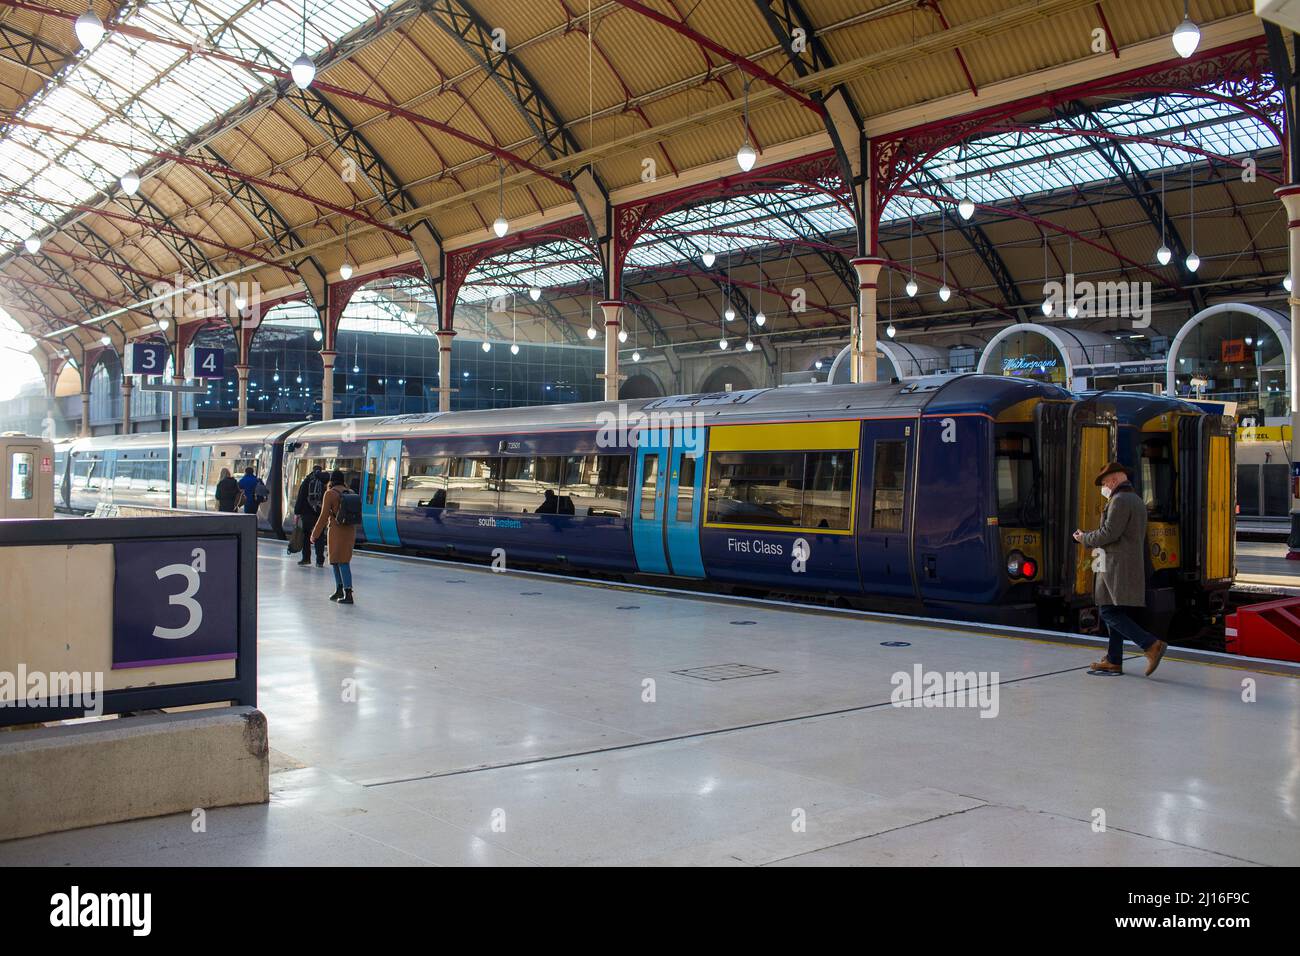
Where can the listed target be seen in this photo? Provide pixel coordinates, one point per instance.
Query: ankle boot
(337, 595)
(347, 596)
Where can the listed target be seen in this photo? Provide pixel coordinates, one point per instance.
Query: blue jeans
(343, 575)
(1121, 627)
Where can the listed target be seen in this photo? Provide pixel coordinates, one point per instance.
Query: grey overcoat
(1122, 537)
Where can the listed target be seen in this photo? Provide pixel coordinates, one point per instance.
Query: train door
(884, 512)
(666, 512)
(1095, 444)
(202, 489)
(379, 498)
(23, 496)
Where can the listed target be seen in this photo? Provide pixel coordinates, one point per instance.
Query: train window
(472, 484)
(370, 481)
(1017, 487)
(649, 485)
(523, 483)
(1158, 482)
(390, 482)
(425, 483)
(756, 488)
(686, 488)
(594, 485)
(20, 478)
(889, 476)
(828, 490)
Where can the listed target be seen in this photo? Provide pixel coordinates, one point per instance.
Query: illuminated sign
(1027, 363)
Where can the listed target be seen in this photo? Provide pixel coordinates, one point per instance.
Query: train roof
(967, 393)
(1137, 408)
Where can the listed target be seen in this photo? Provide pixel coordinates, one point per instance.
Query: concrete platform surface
(458, 716)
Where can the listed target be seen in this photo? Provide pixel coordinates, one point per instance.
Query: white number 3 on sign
(190, 572)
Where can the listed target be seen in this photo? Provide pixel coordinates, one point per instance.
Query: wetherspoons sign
(1027, 363)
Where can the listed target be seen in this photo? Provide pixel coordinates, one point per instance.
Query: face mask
(1105, 492)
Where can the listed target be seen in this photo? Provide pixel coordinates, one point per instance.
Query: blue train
(953, 496)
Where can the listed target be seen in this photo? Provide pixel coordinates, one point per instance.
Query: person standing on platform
(253, 490)
(1120, 581)
(311, 498)
(227, 492)
(340, 514)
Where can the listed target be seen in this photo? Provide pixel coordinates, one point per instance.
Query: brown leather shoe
(1153, 655)
(1107, 667)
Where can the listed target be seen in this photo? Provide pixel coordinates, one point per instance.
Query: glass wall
(1234, 357)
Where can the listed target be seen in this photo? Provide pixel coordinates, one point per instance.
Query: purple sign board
(175, 601)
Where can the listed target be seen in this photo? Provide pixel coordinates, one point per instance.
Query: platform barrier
(1271, 630)
(126, 614)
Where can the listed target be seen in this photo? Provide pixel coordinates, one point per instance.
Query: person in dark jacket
(227, 492)
(1120, 581)
(311, 497)
(342, 537)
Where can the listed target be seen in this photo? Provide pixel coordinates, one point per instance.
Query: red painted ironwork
(461, 262)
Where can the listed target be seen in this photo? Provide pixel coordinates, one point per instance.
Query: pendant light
(32, 244)
(1187, 35)
(345, 270)
(1072, 310)
(1286, 283)
(911, 263)
(1047, 299)
(745, 156)
(130, 180)
(1163, 254)
(514, 327)
(591, 322)
(749, 345)
(965, 208)
(89, 28)
(760, 318)
(889, 329)
(303, 70)
(1193, 261)
(501, 225)
(945, 293)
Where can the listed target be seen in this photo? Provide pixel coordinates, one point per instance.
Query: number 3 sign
(175, 602)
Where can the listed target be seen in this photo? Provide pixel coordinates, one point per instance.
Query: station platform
(460, 716)
(1262, 565)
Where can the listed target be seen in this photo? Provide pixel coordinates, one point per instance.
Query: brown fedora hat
(1111, 468)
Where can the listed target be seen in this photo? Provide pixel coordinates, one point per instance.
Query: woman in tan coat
(341, 537)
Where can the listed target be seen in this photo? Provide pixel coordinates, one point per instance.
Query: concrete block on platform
(80, 775)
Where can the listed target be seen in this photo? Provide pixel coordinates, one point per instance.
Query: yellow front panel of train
(1162, 544)
(1094, 452)
(1218, 510)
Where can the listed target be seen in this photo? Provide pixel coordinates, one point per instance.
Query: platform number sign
(146, 358)
(205, 362)
(175, 601)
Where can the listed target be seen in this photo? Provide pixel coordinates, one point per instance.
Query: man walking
(1121, 576)
(311, 493)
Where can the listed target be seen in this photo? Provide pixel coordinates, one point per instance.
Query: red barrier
(1270, 630)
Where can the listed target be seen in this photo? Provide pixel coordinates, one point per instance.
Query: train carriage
(951, 496)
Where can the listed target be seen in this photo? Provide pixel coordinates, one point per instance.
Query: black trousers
(309, 522)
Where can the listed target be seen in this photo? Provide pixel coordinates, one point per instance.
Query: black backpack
(315, 493)
(349, 509)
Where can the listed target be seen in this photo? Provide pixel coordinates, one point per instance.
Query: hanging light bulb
(944, 293)
(317, 336)
(966, 208)
(760, 319)
(355, 369)
(1286, 283)
(749, 345)
(729, 313)
(514, 348)
(130, 182)
(1047, 306)
(622, 335)
(722, 343)
(591, 331)
(32, 244)
(891, 331)
(1187, 35)
(105, 340)
(303, 71)
(1193, 262)
(708, 258)
(164, 324)
(534, 293)
(487, 346)
(501, 225)
(1072, 310)
(911, 288)
(745, 156)
(298, 379)
(240, 303)
(345, 271)
(89, 29)
(1164, 255)
(636, 356)
(275, 377)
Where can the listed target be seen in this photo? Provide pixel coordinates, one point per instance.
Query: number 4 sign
(204, 362)
(175, 601)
